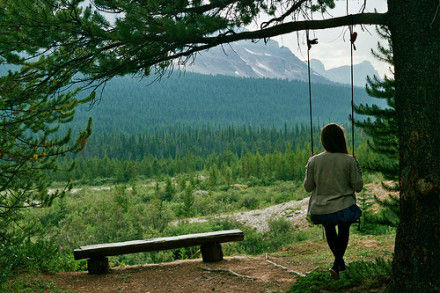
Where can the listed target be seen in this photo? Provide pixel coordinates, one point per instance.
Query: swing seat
(351, 214)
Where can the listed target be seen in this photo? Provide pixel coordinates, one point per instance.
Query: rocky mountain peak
(259, 60)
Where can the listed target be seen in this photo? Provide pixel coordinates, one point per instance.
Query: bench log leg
(211, 252)
(98, 265)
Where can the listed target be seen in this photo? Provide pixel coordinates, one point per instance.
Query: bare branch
(284, 15)
(228, 272)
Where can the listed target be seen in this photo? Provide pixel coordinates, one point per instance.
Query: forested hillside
(135, 105)
(132, 105)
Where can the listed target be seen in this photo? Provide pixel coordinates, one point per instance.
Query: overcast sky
(332, 50)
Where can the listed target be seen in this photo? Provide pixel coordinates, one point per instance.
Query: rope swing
(310, 42)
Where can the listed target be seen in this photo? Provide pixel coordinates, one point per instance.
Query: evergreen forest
(134, 105)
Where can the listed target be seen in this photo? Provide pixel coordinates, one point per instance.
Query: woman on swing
(333, 177)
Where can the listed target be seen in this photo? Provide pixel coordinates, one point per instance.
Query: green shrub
(367, 275)
(279, 198)
(98, 181)
(39, 255)
(226, 198)
(250, 202)
(253, 243)
(253, 181)
(370, 220)
(281, 232)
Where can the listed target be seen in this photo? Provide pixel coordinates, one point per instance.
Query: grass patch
(364, 274)
(29, 283)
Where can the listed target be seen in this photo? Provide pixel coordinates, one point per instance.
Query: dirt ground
(233, 274)
(257, 275)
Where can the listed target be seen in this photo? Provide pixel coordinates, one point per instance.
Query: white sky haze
(332, 50)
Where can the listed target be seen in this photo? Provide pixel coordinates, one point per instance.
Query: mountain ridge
(341, 74)
(269, 60)
(254, 60)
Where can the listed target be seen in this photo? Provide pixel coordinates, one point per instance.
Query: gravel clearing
(294, 210)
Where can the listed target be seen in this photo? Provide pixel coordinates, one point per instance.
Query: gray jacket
(333, 179)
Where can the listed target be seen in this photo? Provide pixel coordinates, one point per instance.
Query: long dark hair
(333, 138)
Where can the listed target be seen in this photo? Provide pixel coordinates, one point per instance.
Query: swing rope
(309, 46)
(353, 36)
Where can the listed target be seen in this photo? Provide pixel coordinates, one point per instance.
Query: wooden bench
(210, 247)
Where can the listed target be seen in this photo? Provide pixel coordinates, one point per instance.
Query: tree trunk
(415, 34)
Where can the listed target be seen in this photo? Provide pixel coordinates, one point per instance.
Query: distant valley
(246, 84)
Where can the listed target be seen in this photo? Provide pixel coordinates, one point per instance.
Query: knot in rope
(310, 42)
(353, 36)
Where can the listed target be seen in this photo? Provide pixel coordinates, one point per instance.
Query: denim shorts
(347, 215)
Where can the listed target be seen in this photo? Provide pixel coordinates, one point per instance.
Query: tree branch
(361, 18)
(209, 42)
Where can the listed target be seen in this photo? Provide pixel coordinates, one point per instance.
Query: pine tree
(169, 191)
(382, 131)
(31, 141)
(213, 176)
(157, 190)
(226, 174)
(188, 201)
(181, 182)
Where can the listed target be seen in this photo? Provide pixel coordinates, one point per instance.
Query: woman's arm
(309, 181)
(356, 176)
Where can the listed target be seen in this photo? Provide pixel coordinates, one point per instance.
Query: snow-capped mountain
(258, 60)
(249, 59)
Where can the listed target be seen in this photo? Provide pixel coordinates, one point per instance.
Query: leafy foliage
(37, 255)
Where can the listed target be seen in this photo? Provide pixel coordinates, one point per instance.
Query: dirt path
(294, 210)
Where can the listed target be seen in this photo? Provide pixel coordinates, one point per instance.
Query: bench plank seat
(164, 243)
